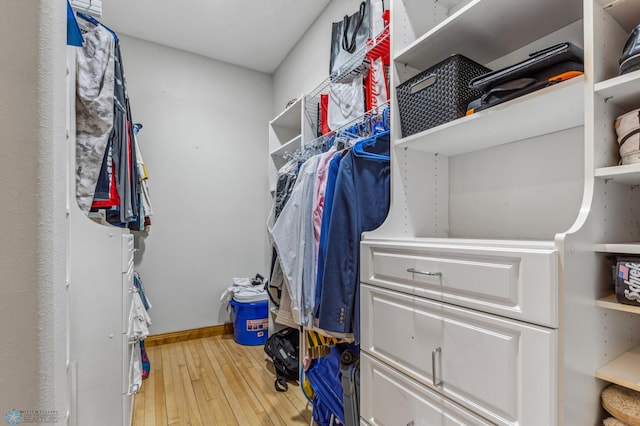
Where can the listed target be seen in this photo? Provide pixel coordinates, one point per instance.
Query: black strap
(635, 132)
(628, 135)
(281, 384)
(350, 46)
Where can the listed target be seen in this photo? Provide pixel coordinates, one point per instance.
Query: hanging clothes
(94, 107)
(332, 174)
(360, 204)
(320, 188)
(143, 177)
(290, 234)
(108, 171)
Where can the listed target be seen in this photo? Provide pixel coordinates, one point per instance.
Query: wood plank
(148, 392)
(232, 391)
(187, 385)
(213, 389)
(138, 405)
(160, 412)
(215, 382)
(278, 407)
(169, 364)
(204, 406)
(294, 394)
(242, 392)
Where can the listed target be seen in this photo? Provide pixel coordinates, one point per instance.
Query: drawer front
(127, 297)
(503, 370)
(516, 283)
(390, 398)
(127, 252)
(127, 410)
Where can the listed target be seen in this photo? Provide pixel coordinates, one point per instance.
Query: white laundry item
(139, 319)
(243, 290)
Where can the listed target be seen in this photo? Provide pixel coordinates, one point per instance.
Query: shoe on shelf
(630, 59)
(628, 132)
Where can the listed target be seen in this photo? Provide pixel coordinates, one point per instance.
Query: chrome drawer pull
(431, 274)
(436, 382)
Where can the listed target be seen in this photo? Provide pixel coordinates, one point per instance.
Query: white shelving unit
(541, 169)
(285, 135)
(616, 185)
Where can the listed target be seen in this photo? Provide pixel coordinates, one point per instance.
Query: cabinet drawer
(127, 252)
(390, 398)
(518, 283)
(129, 348)
(503, 370)
(127, 297)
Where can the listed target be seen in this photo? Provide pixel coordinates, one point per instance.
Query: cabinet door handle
(434, 378)
(431, 274)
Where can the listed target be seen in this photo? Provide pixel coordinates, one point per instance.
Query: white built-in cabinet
(616, 186)
(100, 290)
(486, 294)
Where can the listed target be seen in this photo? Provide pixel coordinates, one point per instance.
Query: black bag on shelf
(282, 347)
(543, 68)
(627, 280)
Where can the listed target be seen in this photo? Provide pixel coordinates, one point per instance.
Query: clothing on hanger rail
(361, 202)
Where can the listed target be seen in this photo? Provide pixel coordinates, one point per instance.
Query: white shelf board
(623, 90)
(625, 12)
(628, 174)
(277, 155)
(623, 248)
(611, 302)
(549, 110)
(624, 370)
(291, 117)
(477, 30)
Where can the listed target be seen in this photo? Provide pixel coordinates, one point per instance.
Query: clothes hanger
(94, 21)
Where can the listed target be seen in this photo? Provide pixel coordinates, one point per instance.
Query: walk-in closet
(320, 212)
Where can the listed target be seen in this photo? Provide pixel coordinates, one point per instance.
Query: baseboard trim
(183, 336)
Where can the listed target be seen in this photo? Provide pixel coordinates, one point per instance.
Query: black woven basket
(438, 95)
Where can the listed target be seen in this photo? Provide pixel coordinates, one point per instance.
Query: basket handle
(423, 84)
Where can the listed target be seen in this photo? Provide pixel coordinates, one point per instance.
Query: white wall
(33, 227)
(307, 65)
(204, 141)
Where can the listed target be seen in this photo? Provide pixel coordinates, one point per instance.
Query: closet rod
(376, 111)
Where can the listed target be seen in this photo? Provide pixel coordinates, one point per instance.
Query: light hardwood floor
(215, 381)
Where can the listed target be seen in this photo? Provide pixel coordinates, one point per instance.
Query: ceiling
(256, 34)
